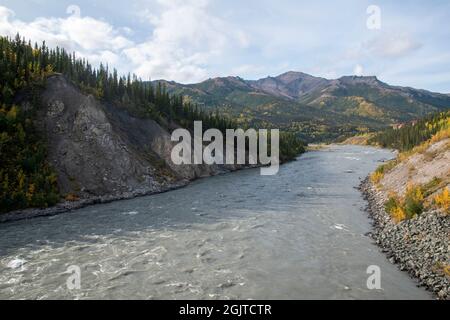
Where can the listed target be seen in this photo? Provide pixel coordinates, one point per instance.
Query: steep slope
(410, 203)
(317, 108)
(100, 150)
(68, 130)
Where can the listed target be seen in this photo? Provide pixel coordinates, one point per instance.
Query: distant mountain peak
(296, 76)
(360, 79)
(291, 84)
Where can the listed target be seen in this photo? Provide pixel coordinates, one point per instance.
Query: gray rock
(418, 246)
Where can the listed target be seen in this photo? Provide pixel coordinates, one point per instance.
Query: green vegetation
(413, 134)
(325, 111)
(416, 199)
(412, 204)
(382, 170)
(290, 146)
(20, 62)
(415, 138)
(442, 200)
(26, 179)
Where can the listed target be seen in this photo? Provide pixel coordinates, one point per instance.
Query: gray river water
(297, 235)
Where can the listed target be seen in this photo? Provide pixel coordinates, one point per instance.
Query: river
(297, 235)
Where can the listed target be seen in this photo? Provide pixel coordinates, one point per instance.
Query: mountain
(316, 108)
(291, 85)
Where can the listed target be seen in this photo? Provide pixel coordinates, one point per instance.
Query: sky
(403, 43)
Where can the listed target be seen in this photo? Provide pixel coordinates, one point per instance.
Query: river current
(300, 234)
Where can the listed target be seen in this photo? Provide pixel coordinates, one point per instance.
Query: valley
(315, 108)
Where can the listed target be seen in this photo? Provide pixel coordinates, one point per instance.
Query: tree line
(26, 179)
(412, 134)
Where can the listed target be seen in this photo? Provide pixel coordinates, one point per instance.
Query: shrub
(413, 201)
(412, 204)
(394, 207)
(376, 177)
(442, 200)
(431, 186)
(398, 214)
(392, 203)
(446, 270)
(379, 173)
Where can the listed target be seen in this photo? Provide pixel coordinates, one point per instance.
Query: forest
(26, 179)
(412, 134)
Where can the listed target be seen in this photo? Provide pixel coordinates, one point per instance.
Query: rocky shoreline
(68, 206)
(419, 246)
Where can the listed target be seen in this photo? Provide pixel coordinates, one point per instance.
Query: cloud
(247, 69)
(186, 38)
(358, 70)
(94, 39)
(191, 40)
(392, 45)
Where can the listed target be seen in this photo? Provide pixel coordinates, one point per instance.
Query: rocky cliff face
(100, 150)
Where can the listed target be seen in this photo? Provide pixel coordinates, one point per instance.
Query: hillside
(410, 204)
(410, 135)
(73, 133)
(316, 108)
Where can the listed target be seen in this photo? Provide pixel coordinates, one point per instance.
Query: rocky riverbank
(419, 246)
(68, 206)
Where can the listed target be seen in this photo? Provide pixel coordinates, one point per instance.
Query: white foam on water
(339, 226)
(16, 263)
(352, 158)
(130, 213)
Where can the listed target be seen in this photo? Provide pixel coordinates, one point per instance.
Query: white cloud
(358, 70)
(392, 45)
(186, 38)
(189, 40)
(385, 45)
(94, 39)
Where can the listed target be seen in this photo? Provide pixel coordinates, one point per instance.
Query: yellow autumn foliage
(446, 270)
(442, 200)
(398, 214)
(414, 193)
(406, 207)
(376, 177)
(30, 193)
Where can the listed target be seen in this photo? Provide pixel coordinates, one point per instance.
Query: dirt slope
(420, 168)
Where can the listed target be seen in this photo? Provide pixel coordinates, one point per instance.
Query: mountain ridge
(317, 108)
(282, 76)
